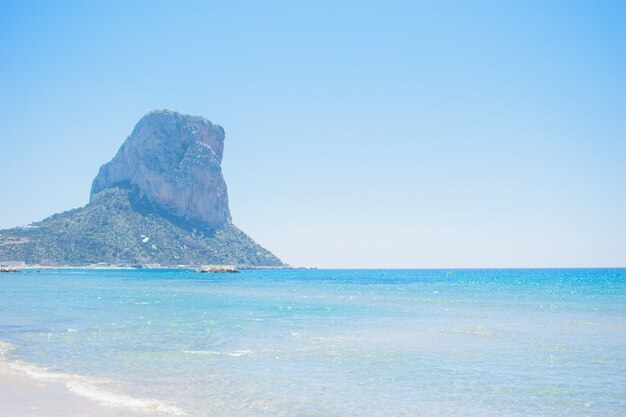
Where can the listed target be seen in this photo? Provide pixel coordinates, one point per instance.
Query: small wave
(87, 387)
(478, 330)
(120, 400)
(235, 353)
(5, 348)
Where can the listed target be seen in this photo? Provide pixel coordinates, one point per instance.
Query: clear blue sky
(358, 134)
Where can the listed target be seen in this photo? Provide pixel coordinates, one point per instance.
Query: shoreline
(27, 390)
(249, 267)
(130, 268)
(23, 396)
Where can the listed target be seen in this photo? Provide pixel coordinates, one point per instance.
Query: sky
(358, 134)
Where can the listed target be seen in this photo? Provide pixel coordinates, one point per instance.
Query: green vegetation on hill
(120, 227)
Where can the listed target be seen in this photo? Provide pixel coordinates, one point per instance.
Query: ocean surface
(313, 343)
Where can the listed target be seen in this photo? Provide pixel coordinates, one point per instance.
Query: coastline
(131, 268)
(23, 396)
(27, 390)
(95, 268)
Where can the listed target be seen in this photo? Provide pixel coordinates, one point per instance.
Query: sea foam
(86, 387)
(235, 353)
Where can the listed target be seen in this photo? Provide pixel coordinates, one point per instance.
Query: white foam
(5, 348)
(120, 400)
(478, 330)
(88, 387)
(243, 352)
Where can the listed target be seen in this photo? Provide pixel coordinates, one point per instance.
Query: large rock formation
(161, 199)
(173, 160)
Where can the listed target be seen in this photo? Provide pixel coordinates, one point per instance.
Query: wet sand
(22, 396)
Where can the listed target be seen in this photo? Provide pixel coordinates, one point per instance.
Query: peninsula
(162, 200)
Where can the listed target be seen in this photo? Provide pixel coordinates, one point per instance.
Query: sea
(317, 343)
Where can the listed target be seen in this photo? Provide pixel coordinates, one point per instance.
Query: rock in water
(161, 200)
(173, 160)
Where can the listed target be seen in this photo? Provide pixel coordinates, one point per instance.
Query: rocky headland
(161, 200)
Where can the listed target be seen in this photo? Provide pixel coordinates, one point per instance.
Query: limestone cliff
(173, 160)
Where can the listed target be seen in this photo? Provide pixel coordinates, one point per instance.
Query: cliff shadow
(147, 207)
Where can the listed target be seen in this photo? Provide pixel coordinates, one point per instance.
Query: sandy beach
(23, 396)
(29, 391)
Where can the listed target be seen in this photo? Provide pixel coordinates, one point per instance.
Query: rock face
(161, 200)
(174, 160)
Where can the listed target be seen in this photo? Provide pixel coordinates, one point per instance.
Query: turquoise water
(329, 342)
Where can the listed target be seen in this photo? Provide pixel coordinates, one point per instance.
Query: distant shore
(77, 267)
(101, 267)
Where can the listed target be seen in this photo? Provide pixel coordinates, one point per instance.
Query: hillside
(162, 200)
